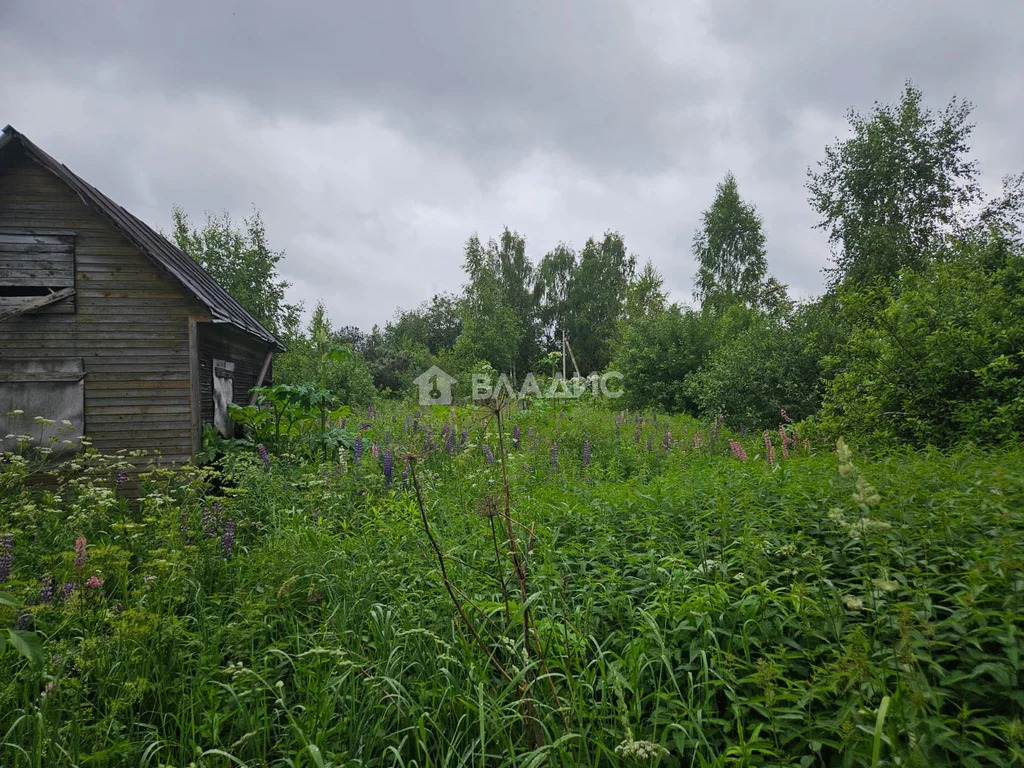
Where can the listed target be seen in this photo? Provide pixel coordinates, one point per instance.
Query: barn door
(223, 395)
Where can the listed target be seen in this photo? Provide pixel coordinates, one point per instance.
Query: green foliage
(936, 358)
(658, 355)
(730, 250)
(499, 312)
(760, 365)
(241, 261)
(320, 357)
(18, 640)
(597, 292)
(889, 195)
(299, 418)
(645, 294)
(691, 608)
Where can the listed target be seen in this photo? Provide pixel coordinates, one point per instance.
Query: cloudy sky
(375, 137)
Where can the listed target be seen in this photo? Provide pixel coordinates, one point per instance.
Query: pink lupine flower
(737, 450)
(769, 449)
(94, 582)
(80, 545)
(784, 441)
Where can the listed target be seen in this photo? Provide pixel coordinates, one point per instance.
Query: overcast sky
(375, 137)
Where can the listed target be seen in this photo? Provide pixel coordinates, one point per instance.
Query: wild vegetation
(558, 586)
(796, 540)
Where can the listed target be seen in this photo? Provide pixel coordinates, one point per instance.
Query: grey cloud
(502, 78)
(375, 137)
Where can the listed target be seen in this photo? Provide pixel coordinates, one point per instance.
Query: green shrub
(938, 357)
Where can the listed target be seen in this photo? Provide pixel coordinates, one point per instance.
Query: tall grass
(684, 607)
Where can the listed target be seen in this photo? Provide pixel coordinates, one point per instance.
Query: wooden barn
(106, 328)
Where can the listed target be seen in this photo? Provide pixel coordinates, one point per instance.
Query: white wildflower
(641, 750)
(853, 603)
(886, 585)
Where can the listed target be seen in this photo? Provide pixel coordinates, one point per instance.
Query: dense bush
(938, 356)
(657, 355)
(759, 367)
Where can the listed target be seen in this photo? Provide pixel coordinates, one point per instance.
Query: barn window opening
(37, 273)
(25, 290)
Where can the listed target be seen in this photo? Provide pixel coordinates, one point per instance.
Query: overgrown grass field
(558, 586)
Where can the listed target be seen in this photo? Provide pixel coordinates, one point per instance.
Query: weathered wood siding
(220, 342)
(130, 324)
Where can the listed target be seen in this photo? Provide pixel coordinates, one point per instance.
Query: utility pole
(563, 353)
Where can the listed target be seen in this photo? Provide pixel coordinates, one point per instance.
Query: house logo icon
(435, 386)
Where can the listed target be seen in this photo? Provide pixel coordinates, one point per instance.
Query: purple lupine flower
(636, 434)
(122, 478)
(667, 442)
(264, 457)
(80, 545)
(446, 429)
(737, 450)
(68, 590)
(743, 430)
(227, 541)
(388, 468)
(209, 523)
(586, 453)
(6, 556)
(554, 454)
(449, 442)
(357, 450)
(46, 589)
(94, 582)
(375, 450)
(488, 453)
(516, 434)
(648, 443)
(463, 438)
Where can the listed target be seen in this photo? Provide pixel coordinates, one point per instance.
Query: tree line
(918, 336)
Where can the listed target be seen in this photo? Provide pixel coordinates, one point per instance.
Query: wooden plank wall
(130, 325)
(222, 342)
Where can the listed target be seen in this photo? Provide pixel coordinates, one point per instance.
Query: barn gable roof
(167, 256)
